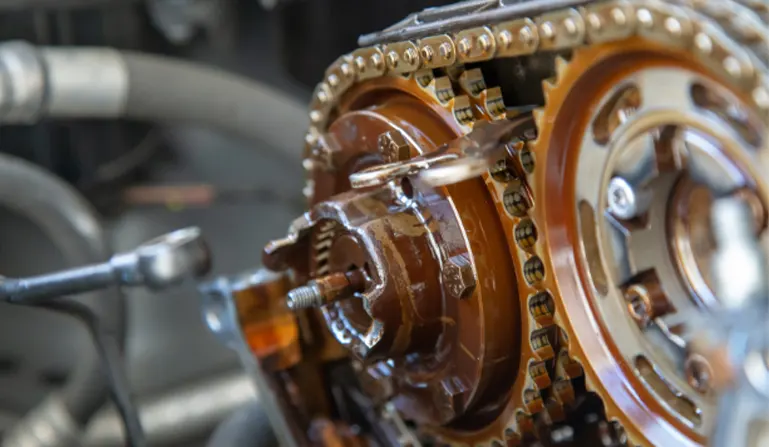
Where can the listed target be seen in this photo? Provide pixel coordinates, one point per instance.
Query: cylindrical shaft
(67, 282)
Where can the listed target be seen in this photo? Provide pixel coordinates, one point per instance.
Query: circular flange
(658, 120)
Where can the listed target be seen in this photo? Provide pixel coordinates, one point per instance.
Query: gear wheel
(431, 108)
(581, 320)
(671, 125)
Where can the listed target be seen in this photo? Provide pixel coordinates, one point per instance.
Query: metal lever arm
(157, 264)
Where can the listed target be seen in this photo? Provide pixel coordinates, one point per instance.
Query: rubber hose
(171, 90)
(71, 224)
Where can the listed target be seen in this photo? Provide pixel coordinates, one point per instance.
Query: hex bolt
(394, 146)
(625, 201)
(699, 373)
(326, 289)
(458, 277)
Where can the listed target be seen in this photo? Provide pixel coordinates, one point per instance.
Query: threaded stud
(305, 297)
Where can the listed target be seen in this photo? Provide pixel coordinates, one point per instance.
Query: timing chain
(729, 36)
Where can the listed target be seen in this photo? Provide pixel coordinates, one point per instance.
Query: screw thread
(305, 297)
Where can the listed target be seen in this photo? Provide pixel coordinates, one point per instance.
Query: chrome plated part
(84, 82)
(23, 82)
(157, 264)
(624, 201)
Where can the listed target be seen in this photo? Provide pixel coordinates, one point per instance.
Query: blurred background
(144, 179)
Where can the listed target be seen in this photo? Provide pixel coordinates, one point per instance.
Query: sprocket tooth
(539, 122)
(548, 85)
(561, 66)
(472, 82)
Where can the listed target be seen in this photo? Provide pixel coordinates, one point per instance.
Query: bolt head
(394, 146)
(622, 199)
(459, 277)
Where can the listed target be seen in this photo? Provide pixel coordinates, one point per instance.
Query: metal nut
(458, 277)
(394, 146)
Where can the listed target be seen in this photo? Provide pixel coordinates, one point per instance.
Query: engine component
(160, 263)
(107, 83)
(157, 264)
(498, 278)
(67, 222)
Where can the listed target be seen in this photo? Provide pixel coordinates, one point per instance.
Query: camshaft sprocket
(574, 261)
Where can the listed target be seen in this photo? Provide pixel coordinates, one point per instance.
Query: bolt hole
(727, 109)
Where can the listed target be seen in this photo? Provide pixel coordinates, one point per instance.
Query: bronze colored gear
(562, 329)
(431, 109)
(597, 96)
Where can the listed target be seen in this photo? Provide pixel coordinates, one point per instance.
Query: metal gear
(510, 296)
(625, 285)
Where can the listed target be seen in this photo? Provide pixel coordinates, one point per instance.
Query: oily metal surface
(477, 355)
(572, 258)
(728, 41)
